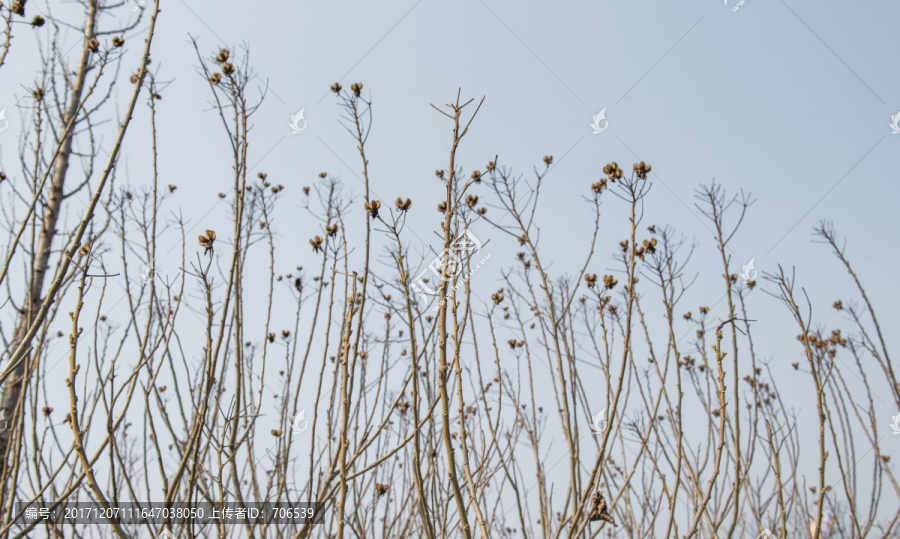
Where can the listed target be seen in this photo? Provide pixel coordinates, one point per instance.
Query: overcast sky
(788, 100)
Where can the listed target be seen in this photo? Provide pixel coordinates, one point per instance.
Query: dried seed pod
(207, 241)
(403, 205)
(599, 510)
(372, 208)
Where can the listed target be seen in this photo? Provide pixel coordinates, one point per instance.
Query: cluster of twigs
(398, 400)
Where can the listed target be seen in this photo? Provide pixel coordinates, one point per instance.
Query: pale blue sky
(789, 100)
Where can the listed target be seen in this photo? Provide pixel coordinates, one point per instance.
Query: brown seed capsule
(93, 45)
(372, 208)
(641, 169)
(215, 79)
(316, 243)
(612, 171)
(85, 249)
(599, 510)
(117, 41)
(207, 241)
(403, 205)
(336, 87)
(227, 69)
(223, 56)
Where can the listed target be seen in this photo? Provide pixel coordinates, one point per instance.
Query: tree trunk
(13, 391)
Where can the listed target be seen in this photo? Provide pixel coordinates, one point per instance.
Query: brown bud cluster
(641, 169)
(613, 172)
